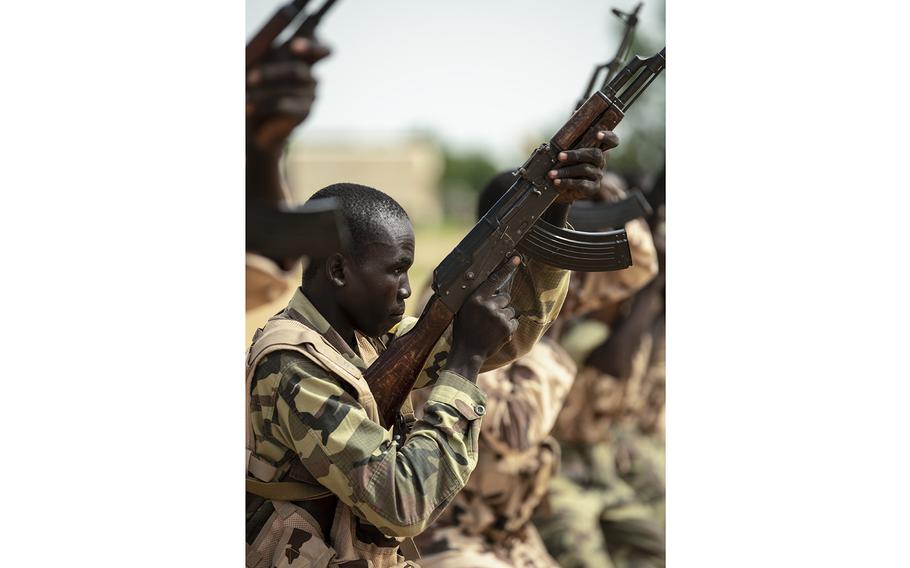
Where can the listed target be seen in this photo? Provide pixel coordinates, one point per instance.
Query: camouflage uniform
(593, 516)
(488, 523)
(314, 431)
(638, 441)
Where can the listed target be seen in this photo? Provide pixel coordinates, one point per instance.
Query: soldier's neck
(324, 301)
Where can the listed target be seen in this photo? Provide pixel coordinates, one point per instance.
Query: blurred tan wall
(409, 171)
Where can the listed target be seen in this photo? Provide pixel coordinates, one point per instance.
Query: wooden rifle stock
(394, 373)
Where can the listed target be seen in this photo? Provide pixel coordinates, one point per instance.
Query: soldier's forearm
(263, 179)
(464, 362)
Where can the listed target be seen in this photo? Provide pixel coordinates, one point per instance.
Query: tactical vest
(283, 334)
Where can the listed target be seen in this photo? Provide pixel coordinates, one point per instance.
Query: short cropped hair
(366, 211)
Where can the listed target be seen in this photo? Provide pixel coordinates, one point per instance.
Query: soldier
(488, 525)
(593, 517)
(638, 439)
(279, 96)
(327, 483)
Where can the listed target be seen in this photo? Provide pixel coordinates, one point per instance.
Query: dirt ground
(433, 243)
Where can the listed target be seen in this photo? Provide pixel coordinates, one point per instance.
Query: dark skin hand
(279, 96)
(578, 176)
(484, 323)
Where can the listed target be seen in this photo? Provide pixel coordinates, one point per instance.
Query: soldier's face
(377, 280)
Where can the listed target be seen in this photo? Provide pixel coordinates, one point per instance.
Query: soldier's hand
(580, 171)
(485, 321)
(280, 92)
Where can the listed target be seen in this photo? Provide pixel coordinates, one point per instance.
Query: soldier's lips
(395, 318)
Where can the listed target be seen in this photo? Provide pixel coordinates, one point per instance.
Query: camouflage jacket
(597, 401)
(307, 423)
(517, 455)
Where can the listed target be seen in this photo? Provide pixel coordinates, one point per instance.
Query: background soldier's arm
(524, 398)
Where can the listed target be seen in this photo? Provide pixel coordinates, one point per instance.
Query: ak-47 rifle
(603, 215)
(630, 21)
(507, 227)
(599, 216)
(282, 231)
(275, 229)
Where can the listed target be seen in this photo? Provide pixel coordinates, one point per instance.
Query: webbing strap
(259, 468)
(286, 490)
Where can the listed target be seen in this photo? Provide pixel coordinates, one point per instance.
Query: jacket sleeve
(525, 397)
(398, 486)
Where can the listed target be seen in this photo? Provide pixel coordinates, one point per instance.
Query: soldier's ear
(335, 270)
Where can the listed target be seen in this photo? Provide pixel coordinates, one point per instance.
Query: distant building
(408, 170)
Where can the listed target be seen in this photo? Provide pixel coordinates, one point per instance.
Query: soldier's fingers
(289, 107)
(513, 326)
(293, 109)
(607, 139)
(500, 301)
(308, 50)
(509, 312)
(499, 276)
(579, 188)
(583, 155)
(281, 91)
(280, 71)
(583, 171)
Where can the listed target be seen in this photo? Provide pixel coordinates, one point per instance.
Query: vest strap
(286, 490)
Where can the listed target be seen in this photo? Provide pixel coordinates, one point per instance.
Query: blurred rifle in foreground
(314, 229)
(508, 226)
(274, 229)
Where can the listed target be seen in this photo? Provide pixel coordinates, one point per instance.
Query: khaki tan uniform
(265, 281)
(354, 489)
(488, 523)
(594, 517)
(638, 440)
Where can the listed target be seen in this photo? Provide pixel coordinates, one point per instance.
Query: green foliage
(466, 171)
(464, 176)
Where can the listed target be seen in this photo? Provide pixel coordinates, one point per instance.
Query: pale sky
(487, 75)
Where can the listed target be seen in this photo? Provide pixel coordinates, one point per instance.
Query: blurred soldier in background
(592, 516)
(489, 522)
(279, 95)
(638, 439)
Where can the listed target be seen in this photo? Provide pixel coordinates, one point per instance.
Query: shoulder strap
(286, 490)
(286, 334)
